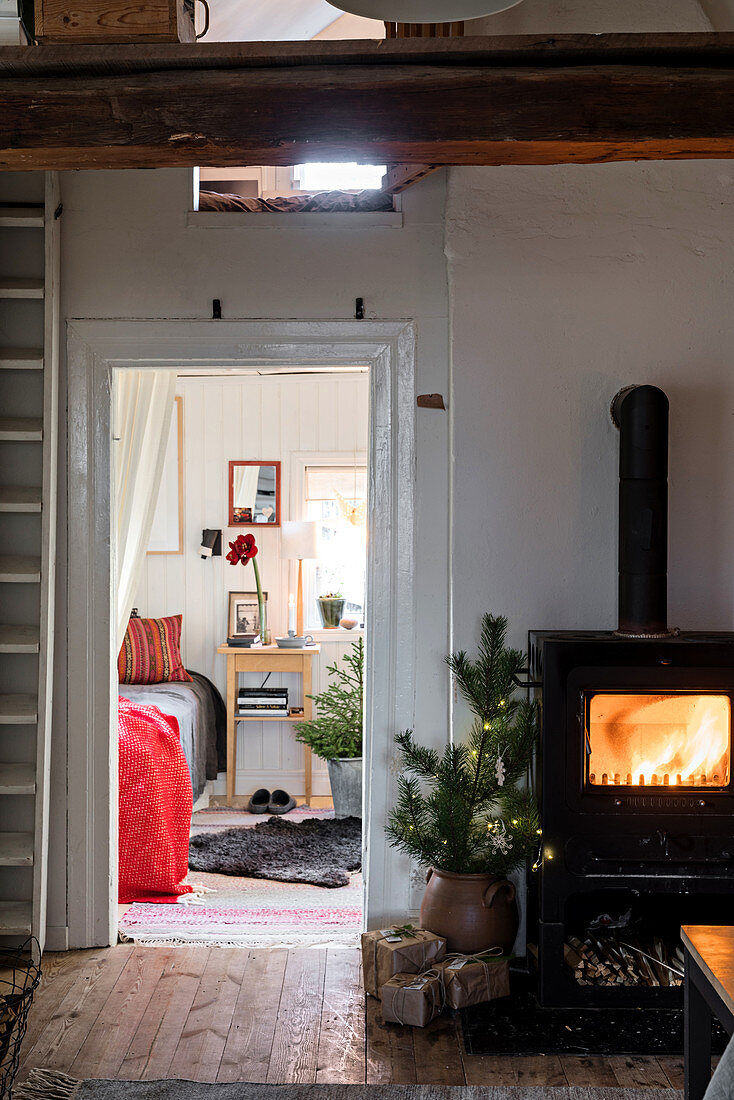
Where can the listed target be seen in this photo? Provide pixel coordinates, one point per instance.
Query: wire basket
(20, 973)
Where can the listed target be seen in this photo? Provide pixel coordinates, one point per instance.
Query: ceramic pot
(472, 912)
(331, 611)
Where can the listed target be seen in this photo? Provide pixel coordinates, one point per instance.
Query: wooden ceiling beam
(430, 101)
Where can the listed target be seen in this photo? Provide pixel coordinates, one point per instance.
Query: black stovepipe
(642, 416)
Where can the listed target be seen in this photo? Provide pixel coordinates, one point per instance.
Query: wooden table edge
(270, 649)
(726, 997)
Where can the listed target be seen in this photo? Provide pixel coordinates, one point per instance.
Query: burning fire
(666, 740)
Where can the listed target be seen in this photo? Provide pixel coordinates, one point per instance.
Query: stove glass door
(646, 739)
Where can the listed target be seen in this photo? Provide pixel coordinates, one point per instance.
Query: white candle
(291, 614)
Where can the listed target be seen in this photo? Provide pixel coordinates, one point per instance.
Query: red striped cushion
(150, 653)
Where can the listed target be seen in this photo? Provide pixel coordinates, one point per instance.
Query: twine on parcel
(399, 998)
(460, 960)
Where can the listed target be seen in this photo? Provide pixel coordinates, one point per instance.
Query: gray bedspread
(191, 704)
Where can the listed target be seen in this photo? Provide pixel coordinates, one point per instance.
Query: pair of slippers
(263, 802)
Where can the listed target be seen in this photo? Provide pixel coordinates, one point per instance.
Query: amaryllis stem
(260, 602)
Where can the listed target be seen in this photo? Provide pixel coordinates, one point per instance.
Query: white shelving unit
(29, 334)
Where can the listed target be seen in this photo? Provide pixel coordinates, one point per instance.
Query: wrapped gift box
(413, 999)
(391, 951)
(472, 979)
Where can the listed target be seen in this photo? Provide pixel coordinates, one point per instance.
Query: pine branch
(463, 810)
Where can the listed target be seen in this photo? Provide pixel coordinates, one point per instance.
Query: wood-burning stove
(636, 787)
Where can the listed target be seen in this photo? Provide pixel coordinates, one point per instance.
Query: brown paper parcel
(398, 951)
(413, 999)
(471, 980)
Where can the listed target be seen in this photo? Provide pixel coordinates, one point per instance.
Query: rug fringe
(198, 895)
(46, 1084)
(215, 939)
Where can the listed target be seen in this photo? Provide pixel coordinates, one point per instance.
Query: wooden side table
(268, 658)
(709, 991)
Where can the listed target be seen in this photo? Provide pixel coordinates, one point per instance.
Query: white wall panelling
(267, 416)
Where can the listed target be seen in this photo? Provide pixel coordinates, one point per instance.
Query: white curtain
(245, 486)
(142, 407)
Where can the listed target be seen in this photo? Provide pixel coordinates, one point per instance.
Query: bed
(333, 202)
(201, 716)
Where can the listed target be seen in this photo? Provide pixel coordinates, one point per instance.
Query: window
(339, 177)
(336, 495)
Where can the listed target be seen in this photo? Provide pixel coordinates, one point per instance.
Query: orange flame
(668, 740)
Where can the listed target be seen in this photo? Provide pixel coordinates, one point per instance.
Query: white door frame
(94, 348)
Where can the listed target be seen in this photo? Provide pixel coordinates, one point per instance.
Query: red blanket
(155, 806)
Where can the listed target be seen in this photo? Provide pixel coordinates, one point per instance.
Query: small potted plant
(335, 734)
(464, 814)
(331, 607)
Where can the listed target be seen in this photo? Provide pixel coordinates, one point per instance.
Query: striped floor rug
(245, 912)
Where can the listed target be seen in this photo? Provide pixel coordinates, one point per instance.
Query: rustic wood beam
(524, 100)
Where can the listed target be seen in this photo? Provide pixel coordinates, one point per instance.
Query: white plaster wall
(128, 252)
(599, 17)
(567, 283)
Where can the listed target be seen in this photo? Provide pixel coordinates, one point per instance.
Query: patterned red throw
(155, 806)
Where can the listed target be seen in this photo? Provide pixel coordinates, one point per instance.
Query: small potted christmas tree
(335, 734)
(463, 814)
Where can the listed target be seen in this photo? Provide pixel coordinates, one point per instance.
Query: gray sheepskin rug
(320, 852)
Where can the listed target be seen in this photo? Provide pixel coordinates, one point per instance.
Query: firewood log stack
(623, 959)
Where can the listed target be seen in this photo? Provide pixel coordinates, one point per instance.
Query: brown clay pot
(472, 912)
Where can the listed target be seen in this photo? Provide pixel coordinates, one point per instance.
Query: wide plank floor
(278, 1015)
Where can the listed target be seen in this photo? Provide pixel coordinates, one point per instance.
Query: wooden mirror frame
(253, 462)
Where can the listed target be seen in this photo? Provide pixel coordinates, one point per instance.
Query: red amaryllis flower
(242, 549)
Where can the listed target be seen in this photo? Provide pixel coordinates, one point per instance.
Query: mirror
(254, 494)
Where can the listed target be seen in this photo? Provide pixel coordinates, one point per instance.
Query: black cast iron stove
(636, 793)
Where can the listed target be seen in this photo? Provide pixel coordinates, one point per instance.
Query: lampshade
(299, 539)
(423, 11)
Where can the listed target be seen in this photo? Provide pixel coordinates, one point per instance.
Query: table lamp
(299, 540)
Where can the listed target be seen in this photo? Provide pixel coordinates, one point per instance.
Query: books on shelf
(264, 714)
(262, 703)
(263, 696)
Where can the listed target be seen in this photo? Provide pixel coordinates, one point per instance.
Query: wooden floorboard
(390, 1056)
(249, 1043)
(200, 1048)
(277, 1015)
(540, 1069)
(436, 1052)
(103, 1050)
(636, 1072)
(588, 1072)
(150, 1054)
(293, 1058)
(672, 1067)
(72, 1018)
(341, 1055)
(61, 971)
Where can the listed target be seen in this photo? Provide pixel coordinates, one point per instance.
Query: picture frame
(167, 531)
(243, 616)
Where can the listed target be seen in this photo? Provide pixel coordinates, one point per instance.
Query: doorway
(278, 456)
(95, 349)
